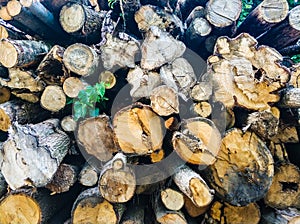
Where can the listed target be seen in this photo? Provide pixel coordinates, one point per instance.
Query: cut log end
(172, 200)
(53, 98)
(8, 54)
(274, 11)
(72, 86)
(72, 17)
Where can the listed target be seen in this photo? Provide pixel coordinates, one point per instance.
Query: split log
(53, 98)
(142, 82)
(193, 186)
(157, 156)
(96, 138)
(164, 101)
(185, 7)
(80, 59)
(223, 13)
(123, 52)
(192, 209)
(88, 176)
(245, 75)
(117, 181)
(171, 75)
(149, 15)
(51, 69)
(4, 94)
(21, 112)
(134, 215)
(32, 153)
(244, 169)
(72, 86)
(265, 16)
(28, 97)
(223, 212)
(3, 185)
(63, 179)
(82, 22)
(171, 199)
(198, 142)
(68, 124)
(159, 48)
(108, 78)
(138, 130)
(290, 98)
(91, 207)
(285, 189)
(21, 53)
(285, 33)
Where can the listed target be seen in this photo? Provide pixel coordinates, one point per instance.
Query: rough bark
(185, 7)
(134, 215)
(3, 185)
(4, 94)
(290, 98)
(53, 98)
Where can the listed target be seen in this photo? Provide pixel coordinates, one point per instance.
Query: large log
(32, 153)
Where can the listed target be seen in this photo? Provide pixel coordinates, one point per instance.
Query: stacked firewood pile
(200, 125)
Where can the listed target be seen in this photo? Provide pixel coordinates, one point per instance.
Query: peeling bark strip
(138, 130)
(244, 167)
(21, 53)
(32, 153)
(117, 181)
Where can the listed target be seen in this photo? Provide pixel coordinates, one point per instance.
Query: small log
(285, 189)
(88, 176)
(108, 78)
(124, 53)
(138, 130)
(290, 50)
(202, 91)
(185, 7)
(171, 199)
(91, 207)
(82, 22)
(4, 74)
(286, 134)
(10, 32)
(295, 76)
(4, 14)
(164, 101)
(223, 13)
(202, 109)
(192, 209)
(117, 181)
(198, 142)
(63, 179)
(96, 138)
(154, 55)
(265, 16)
(279, 152)
(290, 98)
(21, 53)
(142, 82)
(157, 156)
(51, 69)
(68, 124)
(197, 12)
(72, 86)
(4, 94)
(171, 75)
(134, 215)
(285, 33)
(53, 98)
(193, 186)
(276, 216)
(237, 179)
(80, 59)
(35, 165)
(3, 185)
(219, 212)
(56, 5)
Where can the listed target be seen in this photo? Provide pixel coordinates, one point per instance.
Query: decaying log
(266, 15)
(96, 137)
(138, 130)
(21, 53)
(198, 142)
(82, 22)
(243, 170)
(286, 134)
(53, 98)
(108, 78)
(226, 213)
(68, 124)
(285, 189)
(134, 215)
(192, 209)
(32, 153)
(88, 176)
(164, 101)
(117, 181)
(279, 152)
(123, 53)
(172, 199)
(142, 82)
(63, 179)
(185, 7)
(91, 207)
(193, 186)
(159, 48)
(51, 69)
(246, 75)
(72, 86)
(285, 33)
(81, 59)
(3, 185)
(4, 94)
(290, 98)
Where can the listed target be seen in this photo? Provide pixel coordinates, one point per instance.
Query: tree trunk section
(88, 176)
(171, 199)
(290, 98)
(53, 98)
(68, 124)
(72, 86)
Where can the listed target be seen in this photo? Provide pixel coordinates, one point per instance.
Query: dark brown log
(53, 98)
(219, 212)
(88, 176)
(290, 98)
(21, 53)
(285, 33)
(276, 216)
(286, 134)
(35, 165)
(96, 138)
(68, 124)
(117, 181)
(91, 207)
(3, 185)
(266, 15)
(244, 165)
(134, 215)
(185, 7)
(28, 97)
(172, 199)
(72, 86)
(4, 94)
(81, 59)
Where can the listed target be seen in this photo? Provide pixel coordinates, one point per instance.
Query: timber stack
(148, 112)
